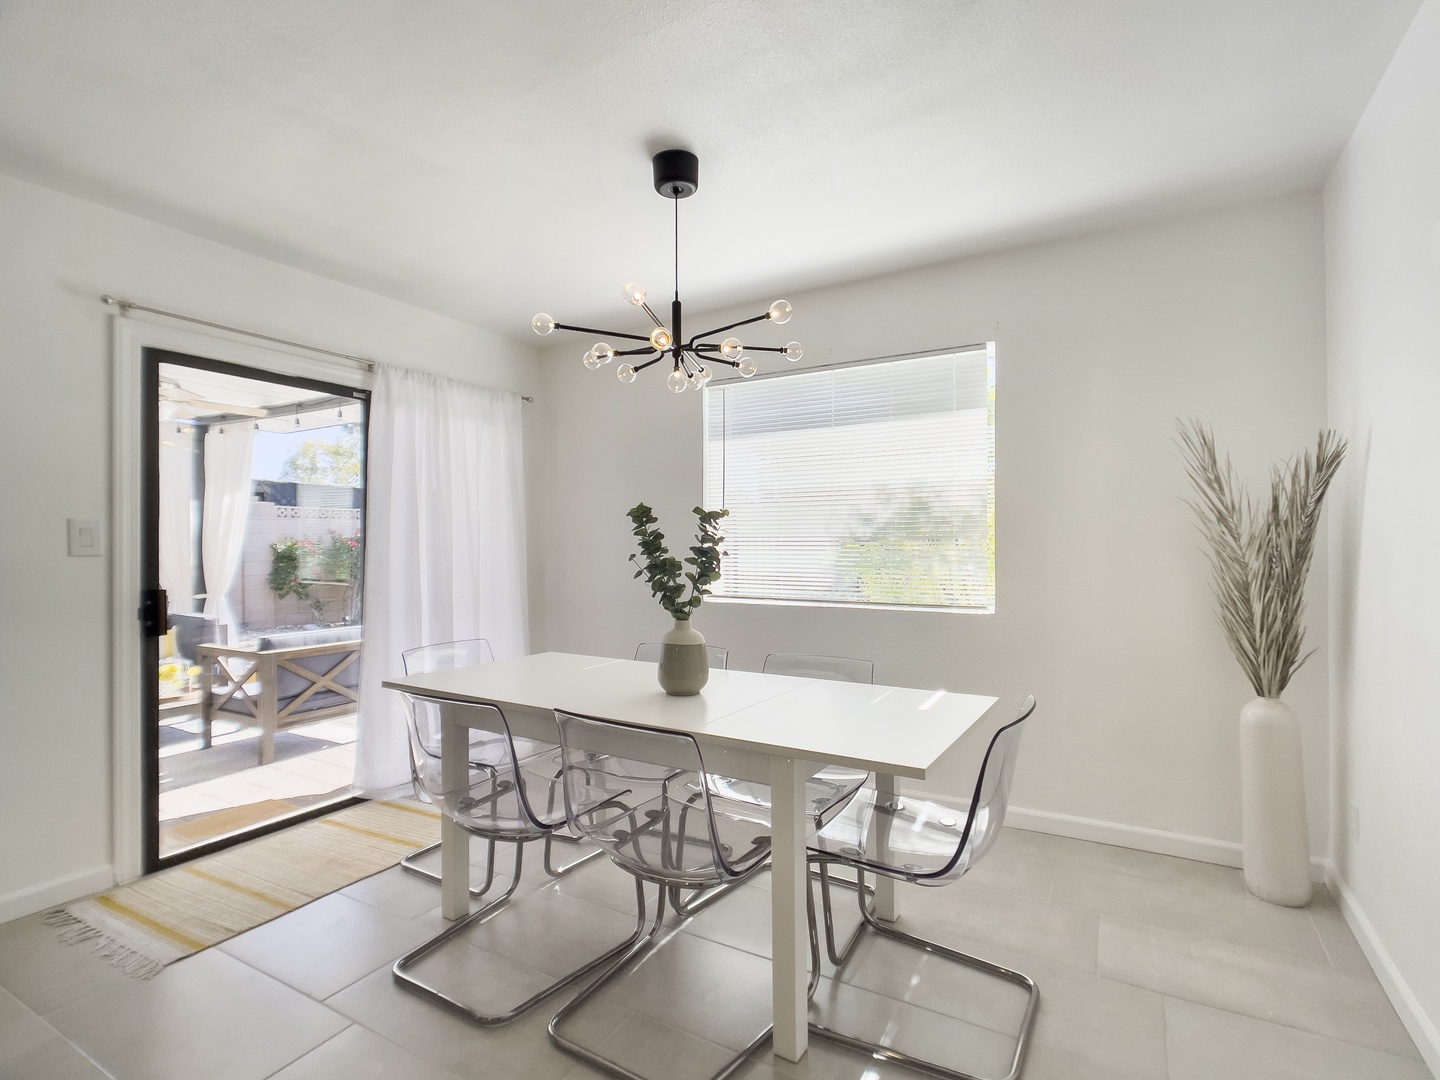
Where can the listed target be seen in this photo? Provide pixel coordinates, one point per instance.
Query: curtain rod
(127, 306)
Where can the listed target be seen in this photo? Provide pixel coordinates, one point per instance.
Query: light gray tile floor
(1149, 967)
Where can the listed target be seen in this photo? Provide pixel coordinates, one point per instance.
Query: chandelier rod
(731, 326)
(607, 333)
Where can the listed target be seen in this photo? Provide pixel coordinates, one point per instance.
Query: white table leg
(789, 932)
(884, 886)
(454, 841)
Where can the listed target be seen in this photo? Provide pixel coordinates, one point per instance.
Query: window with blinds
(866, 484)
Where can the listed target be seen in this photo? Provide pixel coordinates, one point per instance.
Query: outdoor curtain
(177, 482)
(228, 451)
(445, 544)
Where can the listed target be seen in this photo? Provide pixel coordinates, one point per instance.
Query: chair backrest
(806, 666)
(649, 651)
(447, 656)
(992, 794)
(423, 715)
(493, 799)
(642, 795)
(193, 630)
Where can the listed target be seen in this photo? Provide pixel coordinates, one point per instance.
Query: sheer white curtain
(444, 543)
(228, 451)
(177, 487)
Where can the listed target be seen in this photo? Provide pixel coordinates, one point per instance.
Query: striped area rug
(143, 926)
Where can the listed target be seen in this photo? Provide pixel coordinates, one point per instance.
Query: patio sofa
(283, 679)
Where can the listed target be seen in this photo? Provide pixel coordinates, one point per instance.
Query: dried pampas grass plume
(1260, 554)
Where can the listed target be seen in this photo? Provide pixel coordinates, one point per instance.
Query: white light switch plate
(86, 537)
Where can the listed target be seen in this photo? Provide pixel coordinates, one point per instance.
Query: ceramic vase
(684, 662)
(1272, 802)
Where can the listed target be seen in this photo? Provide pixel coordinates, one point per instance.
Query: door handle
(154, 613)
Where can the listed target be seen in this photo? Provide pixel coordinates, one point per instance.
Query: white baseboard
(1182, 845)
(1412, 1014)
(50, 893)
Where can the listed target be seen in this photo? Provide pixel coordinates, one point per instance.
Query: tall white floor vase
(1272, 803)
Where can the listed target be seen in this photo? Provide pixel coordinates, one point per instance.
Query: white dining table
(775, 729)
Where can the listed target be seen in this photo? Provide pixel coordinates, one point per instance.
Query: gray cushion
(290, 685)
(296, 639)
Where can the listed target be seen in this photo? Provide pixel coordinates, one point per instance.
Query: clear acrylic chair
(927, 844)
(825, 792)
(643, 796)
(424, 734)
(503, 799)
(649, 651)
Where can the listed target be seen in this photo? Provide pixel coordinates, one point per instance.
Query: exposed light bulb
(731, 348)
(746, 367)
(603, 353)
(591, 361)
(660, 338)
(700, 377)
(542, 324)
(676, 381)
(633, 293)
(780, 311)
(625, 373)
(793, 351)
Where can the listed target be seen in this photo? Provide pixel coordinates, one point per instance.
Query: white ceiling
(489, 159)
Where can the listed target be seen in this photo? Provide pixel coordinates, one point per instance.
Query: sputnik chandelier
(677, 176)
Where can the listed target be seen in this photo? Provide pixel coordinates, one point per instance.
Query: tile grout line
(1328, 964)
(1166, 995)
(307, 1053)
(1291, 1027)
(1326, 948)
(1164, 1027)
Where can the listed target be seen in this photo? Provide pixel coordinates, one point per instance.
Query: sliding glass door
(253, 601)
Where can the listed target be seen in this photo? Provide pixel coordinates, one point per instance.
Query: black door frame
(151, 359)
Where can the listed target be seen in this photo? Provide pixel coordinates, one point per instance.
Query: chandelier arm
(762, 348)
(654, 318)
(656, 360)
(731, 326)
(606, 333)
(635, 352)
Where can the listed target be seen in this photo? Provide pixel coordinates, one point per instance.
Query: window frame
(989, 349)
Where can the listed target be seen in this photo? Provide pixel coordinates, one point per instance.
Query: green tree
(326, 461)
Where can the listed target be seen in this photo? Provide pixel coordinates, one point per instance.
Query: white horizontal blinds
(865, 484)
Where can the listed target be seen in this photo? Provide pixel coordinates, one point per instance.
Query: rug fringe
(74, 931)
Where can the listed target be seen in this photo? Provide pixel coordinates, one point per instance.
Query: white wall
(58, 255)
(1103, 606)
(1382, 227)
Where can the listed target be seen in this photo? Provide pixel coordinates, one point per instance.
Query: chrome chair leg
(401, 969)
(699, 899)
(589, 856)
(638, 952)
(409, 865)
(838, 957)
(868, 921)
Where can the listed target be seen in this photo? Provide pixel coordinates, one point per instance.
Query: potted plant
(684, 663)
(1260, 554)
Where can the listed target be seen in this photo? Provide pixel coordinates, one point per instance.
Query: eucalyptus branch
(663, 572)
(1260, 555)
